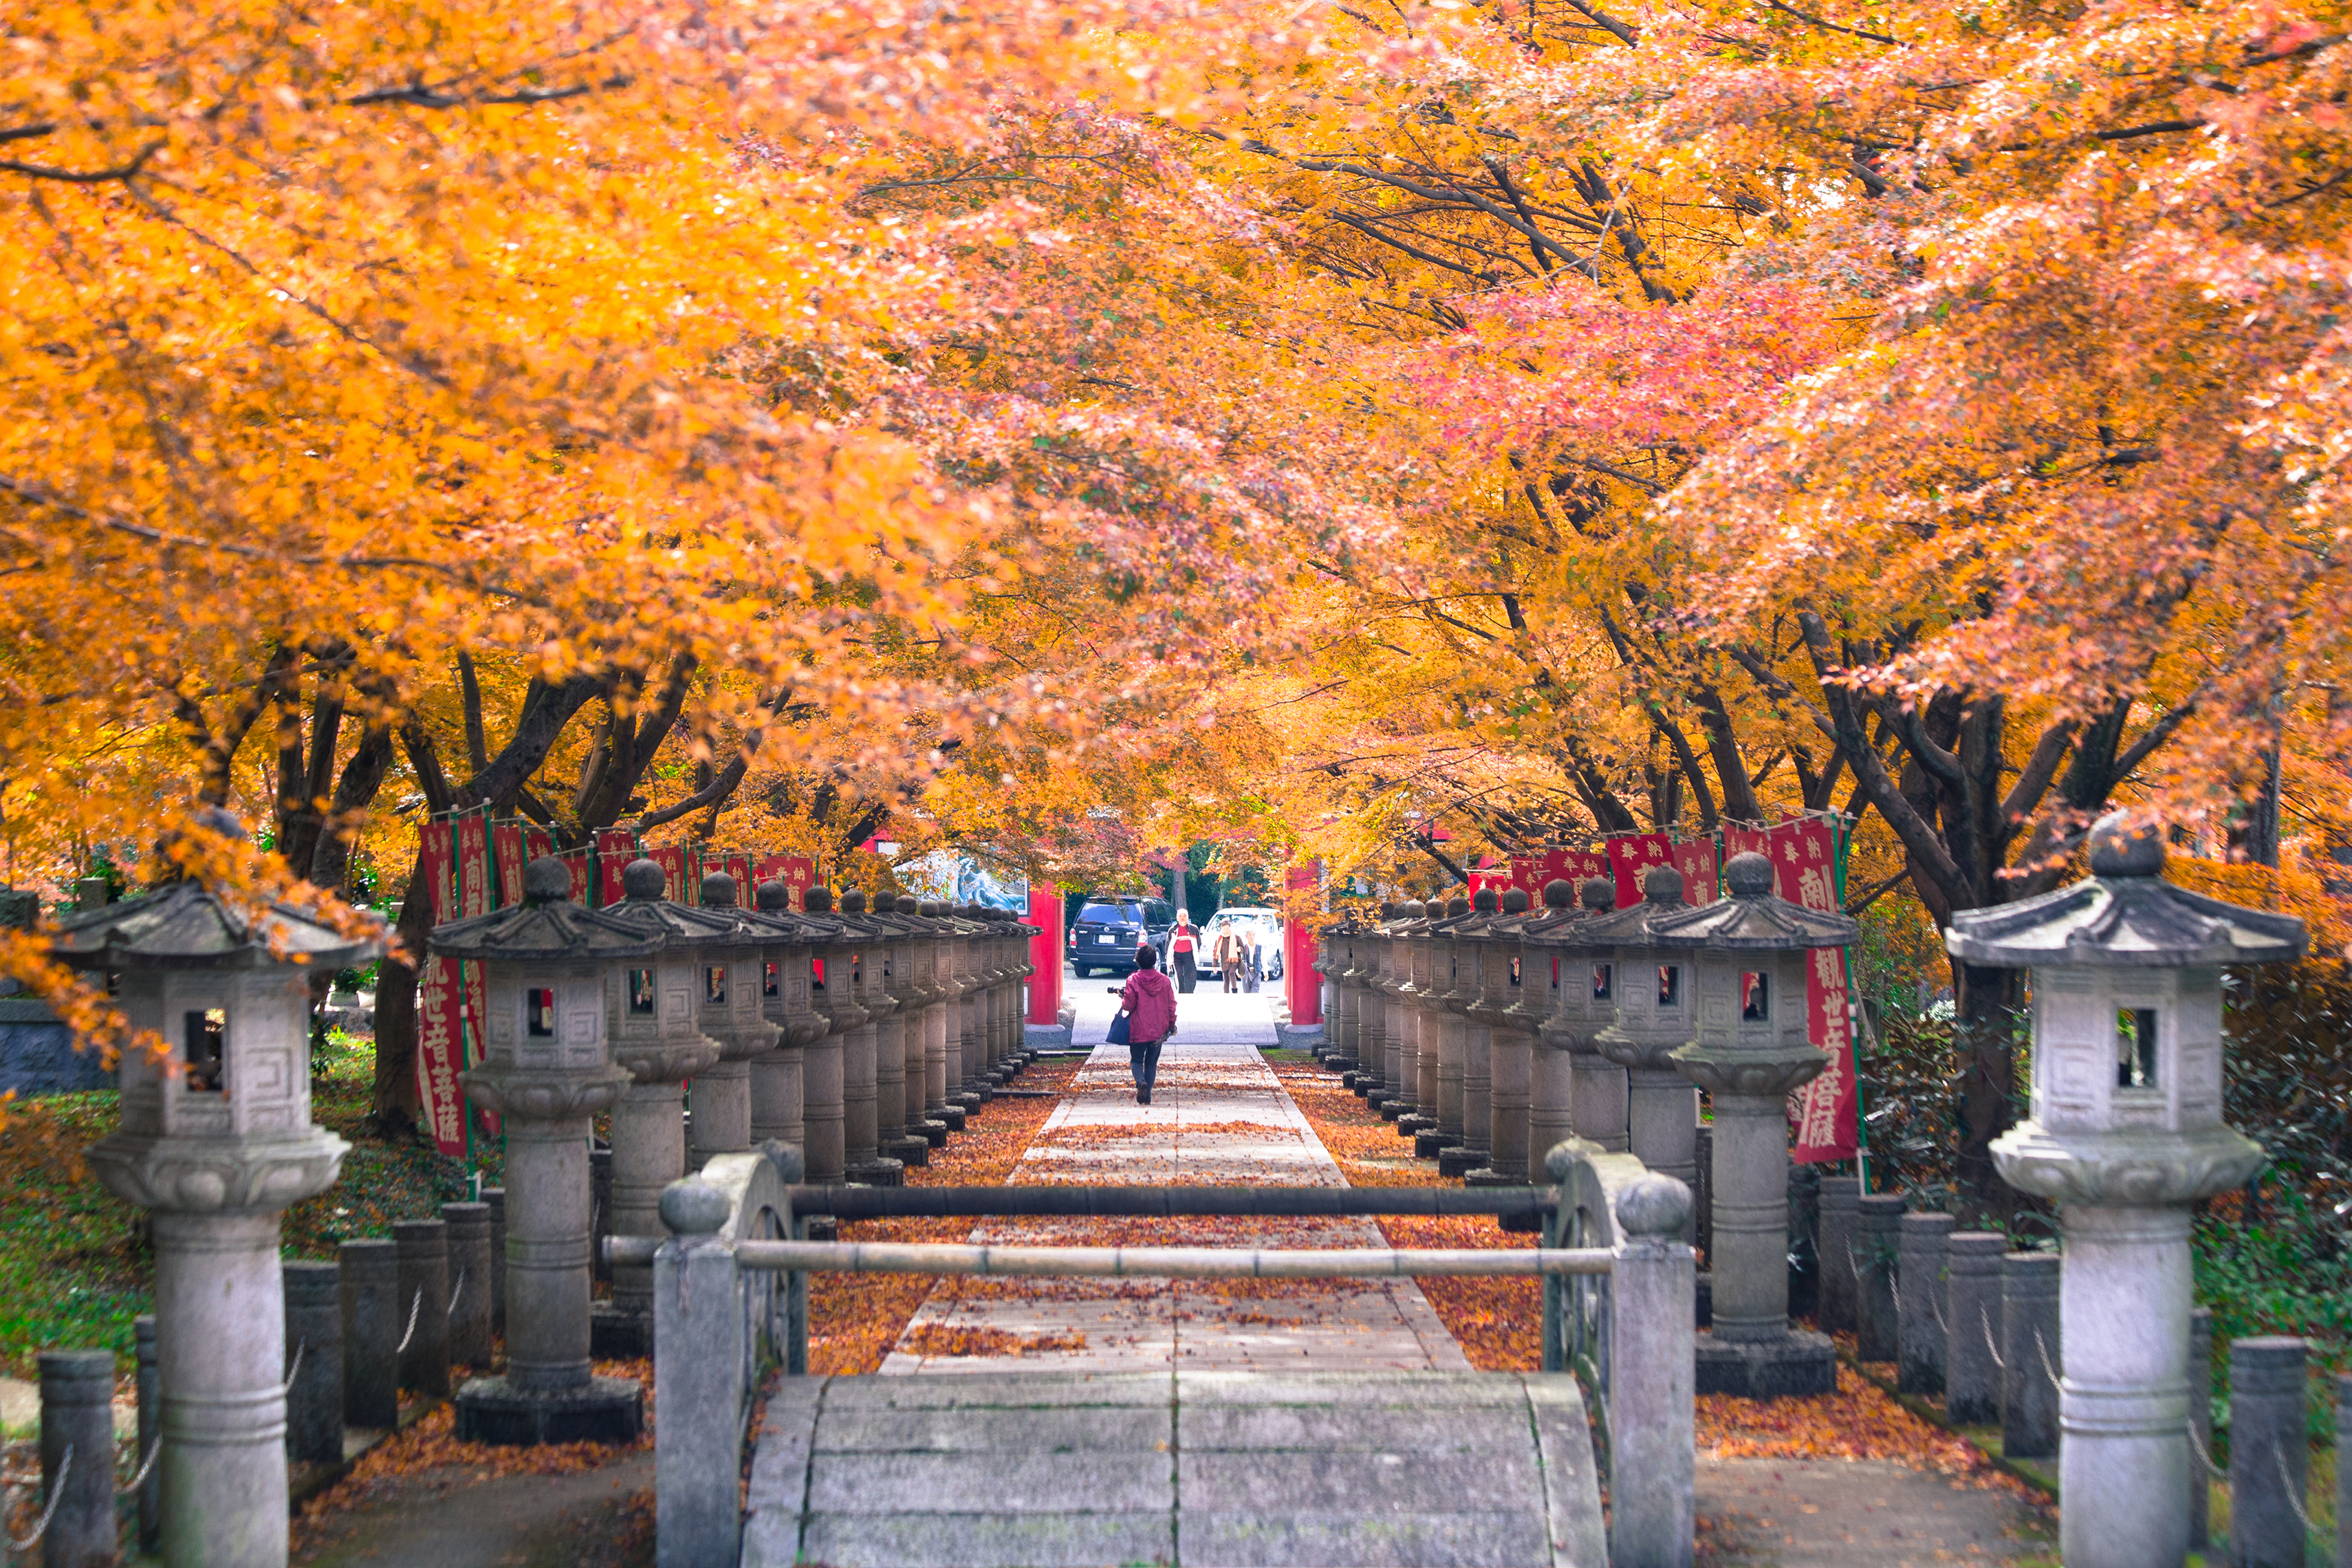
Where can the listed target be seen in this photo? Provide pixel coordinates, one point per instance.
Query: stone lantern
(215, 1140)
(733, 1013)
(1650, 991)
(1495, 1050)
(654, 1015)
(1579, 1092)
(834, 990)
(1341, 969)
(1373, 950)
(548, 967)
(1402, 1077)
(779, 1101)
(900, 1076)
(966, 1088)
(2125, 1134)
(1751, 951)
(1453, 981)
(926, 1059)
(861, 1048)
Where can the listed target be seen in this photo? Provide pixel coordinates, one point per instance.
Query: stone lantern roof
(2123, 916)
(1751, 918)
(188, 926)
(1636, 925)
(547, 926)
(644, 910)
(1568, 910)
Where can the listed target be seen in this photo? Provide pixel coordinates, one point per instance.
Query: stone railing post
(423, 1296)
(1919, 1303)
(150, 1431)
(2031, 1356)
(1971, 1318)
(1651, 1412)
(472, 1280)
(2270, 1456)
(1834, 1310)
(314, 1343)
(77, 1458)
(1878, 1223)
(373, 1319)
(698, 1440)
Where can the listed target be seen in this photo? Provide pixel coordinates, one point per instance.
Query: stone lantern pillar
(214, 1141)
(654, 1015)
(861, 1050)
(1372, 957)
(1750, 952)
(1579, 1092)
(1483, 1020)
(943, 1026)
(1512, 1003)
(1650, 992)
(1453, 964)
(834, 990)
(1342, 966)
(779, 1091)
(926, 1089)
(901, 1101)
(971, 1089)
(1402, 1078)
(733, 1013)
(2125, 1134)
(548, 966)
(1019, 939)
(1005, 971)
(1434, 974)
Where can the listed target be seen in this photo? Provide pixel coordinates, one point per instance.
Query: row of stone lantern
(1489, 1032)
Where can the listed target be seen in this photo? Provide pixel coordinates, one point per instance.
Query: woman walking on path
(1150, 1003)
(1188, 970)
(1229, 953)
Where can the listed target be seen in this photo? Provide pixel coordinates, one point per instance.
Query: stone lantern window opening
(772, 981)
(1603, 982)
(207, 1039)
(641, 992)
(1756, 997)
(539, 1012)
(1670, 985)
(714, 983)
(2136, 1049)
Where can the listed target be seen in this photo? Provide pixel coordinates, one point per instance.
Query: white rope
(295, 1370)
(2197, 1446)
(2044, 1351)
(413, 1305)
(1984, 1321)
(154, 1449)
(456, 1292)
(2287, 1486)
(57, 1495)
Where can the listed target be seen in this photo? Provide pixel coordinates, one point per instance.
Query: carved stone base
(606, 1410)
(616, 1333)
(877, 1174)
(932, 1130)
(1390, 1109)
(910, 1150)
(1798, 1363)
(1429, 1143)
(1411, 1121)
(950, 1117)
(1461, 1160)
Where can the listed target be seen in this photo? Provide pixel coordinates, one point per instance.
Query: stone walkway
(1218, 1116)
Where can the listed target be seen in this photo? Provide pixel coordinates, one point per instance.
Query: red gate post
(1298, 973)
(1045, 956)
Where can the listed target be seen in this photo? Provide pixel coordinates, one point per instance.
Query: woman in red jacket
(1180, 951)
(1150, 1003)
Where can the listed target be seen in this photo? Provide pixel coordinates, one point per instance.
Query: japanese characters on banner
(439, 1037)
(671, 858)
(1826, 1111)
(1634, 855)
(1571, 866)
(508, 856)
(616, 847)
(797, 872)
(477, 895)
(1695, 858)
(581, 863)
(536, 843)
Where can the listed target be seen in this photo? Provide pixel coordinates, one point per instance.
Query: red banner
(1747, 841)
(616, 847)
(509, 856)
(797, 872)
(1631, 857)
(1695, 858)
(671, 858)
(536, 843)
(579, 862)
(1824, 1111)
(477, 895)
(1570, 865)
(439, 1041)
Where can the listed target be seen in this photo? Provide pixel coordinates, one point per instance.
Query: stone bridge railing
(731, 1305)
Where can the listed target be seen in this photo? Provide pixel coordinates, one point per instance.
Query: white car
(1262, 926)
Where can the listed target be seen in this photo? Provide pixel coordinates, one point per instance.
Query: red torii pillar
(1299, 977)
(1046, 955)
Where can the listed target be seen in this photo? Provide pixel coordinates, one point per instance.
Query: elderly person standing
(1180, 956)
(1229, 949)
(1150, 1003)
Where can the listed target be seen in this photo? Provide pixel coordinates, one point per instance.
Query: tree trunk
(397, 1104)
(1984, 1044)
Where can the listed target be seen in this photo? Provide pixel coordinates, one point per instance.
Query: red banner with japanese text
(1634, 855)
(440, 1041)
(508, 858)
(797, 872)
(536, 843)
(1825, 1112)
(1695, 858)
(581, 864)
(1570, 865)
(478, 894)
(616, 847)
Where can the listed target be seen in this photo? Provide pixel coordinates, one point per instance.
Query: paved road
(1218, 1116)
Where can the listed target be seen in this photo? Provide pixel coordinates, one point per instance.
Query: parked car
(1107, 931)
(1262, 926)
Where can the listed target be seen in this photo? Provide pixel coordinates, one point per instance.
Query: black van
(1109, 931)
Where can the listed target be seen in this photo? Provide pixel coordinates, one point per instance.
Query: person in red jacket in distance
(1150, 1003)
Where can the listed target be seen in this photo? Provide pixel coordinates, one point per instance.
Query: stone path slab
(1191, 1470)
(1218, 1116)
